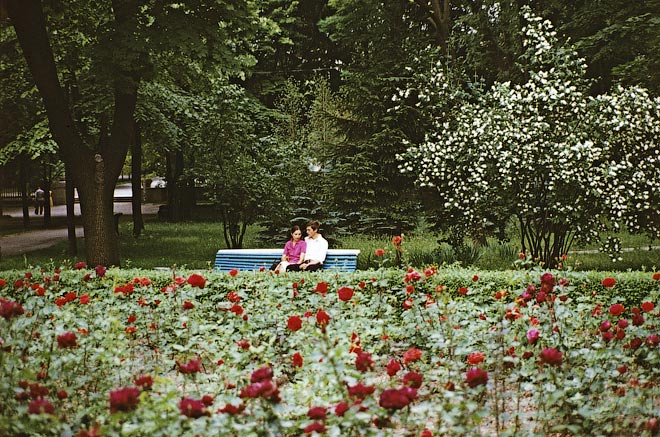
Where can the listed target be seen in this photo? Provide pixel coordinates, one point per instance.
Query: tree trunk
(25, 199)
(94, 172)
(69, 188)
(46, 185)
(136, 181)
(174, 186)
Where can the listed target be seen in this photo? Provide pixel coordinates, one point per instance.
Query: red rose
(408, 303)
(193, 408)
(379, 252)
(363, 362)
(196, 280)
(231, 409)
(100, 271)
(261, 374)
(345, 293)
(67, 340)
(191, 367)
(322, 318)
(475, 377)
(80, 265)
(647, 307)
(475, 358)
(475, 278)
(551, 356)
(62, 394)
(412, 379)
(132, 318)
(609, 282)
(617, 309)
(294, 323)
(297, 359)
(638, 320)
(316, 427)
(360, 390)
(396, 240)
(321, 287)
(10, 308)
(462, 290)
(395, 399)
(144, 382)
(341, 408)
(317, 413)
(84, 299)
(412, 354)
(393, 367)
(124, 399)
(236, 309)
(656, 276)
(232, 296)
(41, 406)
(362, 284)
(233, 272)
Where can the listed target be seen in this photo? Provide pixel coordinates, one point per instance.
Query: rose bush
(537, 353)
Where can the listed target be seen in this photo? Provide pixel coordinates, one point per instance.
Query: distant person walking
(40, 201)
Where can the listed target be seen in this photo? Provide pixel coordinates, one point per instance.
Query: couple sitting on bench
(303, 255)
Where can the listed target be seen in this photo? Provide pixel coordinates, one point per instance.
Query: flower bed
(387, 352)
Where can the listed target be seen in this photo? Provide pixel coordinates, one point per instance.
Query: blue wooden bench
(255, 259)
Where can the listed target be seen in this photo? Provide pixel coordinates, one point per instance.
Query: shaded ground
(37, 237)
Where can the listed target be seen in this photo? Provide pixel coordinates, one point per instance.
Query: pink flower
(532, 335)
(379, 252)
(476, 377)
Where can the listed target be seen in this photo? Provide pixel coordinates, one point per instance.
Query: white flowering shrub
(564, 164)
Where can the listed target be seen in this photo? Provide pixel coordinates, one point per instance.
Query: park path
(35, 239)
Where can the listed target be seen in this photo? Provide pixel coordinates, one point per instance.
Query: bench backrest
(255, 259)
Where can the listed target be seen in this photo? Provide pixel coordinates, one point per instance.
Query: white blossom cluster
(545, 148)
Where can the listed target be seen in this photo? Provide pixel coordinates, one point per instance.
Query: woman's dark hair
(295, 228)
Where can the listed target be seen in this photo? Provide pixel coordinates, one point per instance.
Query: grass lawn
(193, 245)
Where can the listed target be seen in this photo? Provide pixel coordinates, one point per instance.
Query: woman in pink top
(294, 250)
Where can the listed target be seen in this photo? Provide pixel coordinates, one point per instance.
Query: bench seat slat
(255, 259)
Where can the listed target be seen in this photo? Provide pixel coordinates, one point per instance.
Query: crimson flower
(80, 265)
(341, 408)
(297, 359)
(656, 276)
(322, 287)
(395, 399)
(609, 282)
(10, 308)
(360, 390)
(393, 367)
(187, 305)
(475, 358)
(144, 382)
(412, 379)
(345, 293)
(647, 307)
(322, 318)
(316, 427)
(236, 309)
(294, 323)
(412, 354)
(84, 299)
(196, 280)
(617, 309)
(41, 406)
(191, 367)
(396, 240)
(233, 272)
(124, 399)
(551, 356)
(261, 374)
(193, 408)
(67, 340)
(638, 320)
(231, 409)
(476, 377)
(232, 296)
(363, 362)
(100, 271)
(379, 252)
(317, 413)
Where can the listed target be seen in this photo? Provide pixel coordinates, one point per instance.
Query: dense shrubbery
(434, 352)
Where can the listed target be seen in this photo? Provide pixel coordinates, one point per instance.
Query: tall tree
(122, 41)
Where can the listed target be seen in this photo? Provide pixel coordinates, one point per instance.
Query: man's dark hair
(313, 224)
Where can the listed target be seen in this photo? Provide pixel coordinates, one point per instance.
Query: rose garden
(379, 352)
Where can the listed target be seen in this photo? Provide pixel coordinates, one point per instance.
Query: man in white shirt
(317, 248)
